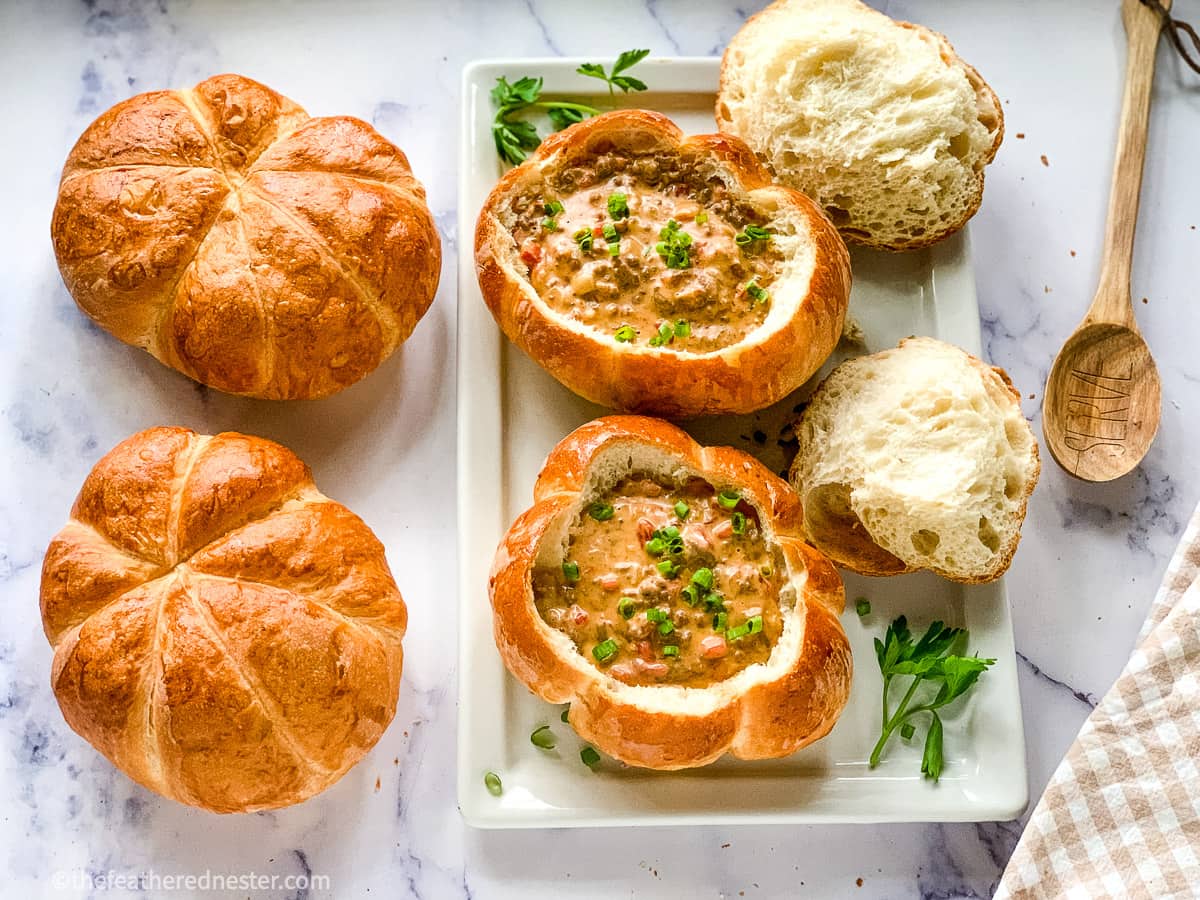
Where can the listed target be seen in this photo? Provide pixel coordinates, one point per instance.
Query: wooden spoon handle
(1113, 302)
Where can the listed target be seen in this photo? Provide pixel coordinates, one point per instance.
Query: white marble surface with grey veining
(1085, 573)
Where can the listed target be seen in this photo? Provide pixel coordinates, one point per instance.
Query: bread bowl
(918, 457)
(879, 121)
(225, 634)
(725, 293)
(760, 665)
(244, 243)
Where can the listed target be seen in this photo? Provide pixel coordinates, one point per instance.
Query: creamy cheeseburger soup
(648, 250)
(666, 584)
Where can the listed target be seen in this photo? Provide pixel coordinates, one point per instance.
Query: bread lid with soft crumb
(879, 121)
(801, 313)
(767, 709)
(918, 457)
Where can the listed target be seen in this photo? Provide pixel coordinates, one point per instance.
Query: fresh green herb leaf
(682, 510)
(729, 499)
(862, 606)
(565, 116)
(739, 523)
(543, 738)
(605, 650)
(589, 757)
(626, 83)
(934, 661)
(515, 137)
(601, 512)
(618, 205)
(624, 334)
(570, 571)
(492, 782)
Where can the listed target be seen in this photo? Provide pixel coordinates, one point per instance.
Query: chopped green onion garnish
(739, 523)
(552, 207)
(714, 602)
(550, 224)
(666, 627)
(583, 237)
(682, 510)
(589, 757)
(765, 571)
(543, 738)
(729, 499)
(618, 206)
(701, 217)
(703, 578)
(571, 571)
(667, 569)
(614, 249)
(610, 233)
(738, 632)
(757, 294)
(491, 781)
(906, 731)
(755, 623)
(656, 546)
(565, 713)
(605, 650)
(862, 606)
(720, 621)
(601, 512)
(691, 594)
(683, 329)
(625, 334)
(656, 615)
(752, 233)
(626, 608)
(673, 246)
(670, 650)
(665, 333)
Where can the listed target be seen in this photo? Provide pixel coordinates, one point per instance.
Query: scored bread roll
(244, 243)
(879, 121)
(587, 288)
(916, 458)
(744, 654)
(224, 633)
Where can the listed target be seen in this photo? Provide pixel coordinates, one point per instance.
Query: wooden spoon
(1103, 397)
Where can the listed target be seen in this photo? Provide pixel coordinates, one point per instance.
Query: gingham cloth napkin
(1121, 817)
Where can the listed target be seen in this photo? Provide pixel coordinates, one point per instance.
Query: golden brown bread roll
(665, 666)
(223, 632)
(243, 243)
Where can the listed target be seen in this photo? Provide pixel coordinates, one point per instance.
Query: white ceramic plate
(510, 413)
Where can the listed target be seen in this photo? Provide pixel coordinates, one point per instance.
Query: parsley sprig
(626, 83)
(515, 136)
(932, 660)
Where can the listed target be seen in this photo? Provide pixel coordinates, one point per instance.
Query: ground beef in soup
(647, 251)
(666, 584)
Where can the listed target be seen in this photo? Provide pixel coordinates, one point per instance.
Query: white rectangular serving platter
(510, 414)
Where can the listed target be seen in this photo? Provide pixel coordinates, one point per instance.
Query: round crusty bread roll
(879, 121)
(789, 695)
(243, 243)
(918, 457)
(565, 304)
(224, 633)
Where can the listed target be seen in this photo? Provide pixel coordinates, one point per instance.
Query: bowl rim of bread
(802, 328)
(664, 727)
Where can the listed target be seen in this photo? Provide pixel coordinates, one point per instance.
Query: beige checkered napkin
(1121, 817)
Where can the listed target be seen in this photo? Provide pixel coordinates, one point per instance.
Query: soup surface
(666, 585)
(645, 251)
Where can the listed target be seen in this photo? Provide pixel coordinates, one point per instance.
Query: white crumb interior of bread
(789, 233)
(933, 449)
(861, 114)
(609, 466)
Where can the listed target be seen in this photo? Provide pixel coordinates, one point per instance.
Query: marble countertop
(1086, 570)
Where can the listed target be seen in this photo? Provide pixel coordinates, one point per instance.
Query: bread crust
(224, 633)
(795, 702)
(243, 243)
(987, 104)
(743, 377)
(833, 527)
